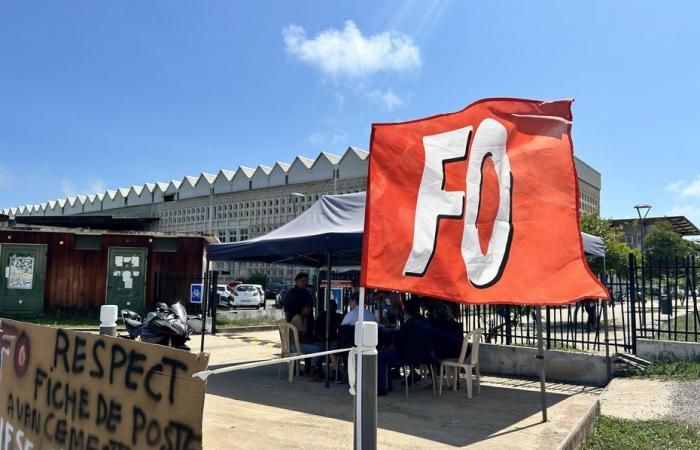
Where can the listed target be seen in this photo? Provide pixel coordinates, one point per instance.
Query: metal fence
(667, 299)
(655, 300)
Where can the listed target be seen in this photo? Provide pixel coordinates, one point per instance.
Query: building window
(222, 235)
(243, 234)
(232, 235)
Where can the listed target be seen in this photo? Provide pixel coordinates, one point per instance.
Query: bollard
(366, 413)
(108, 320)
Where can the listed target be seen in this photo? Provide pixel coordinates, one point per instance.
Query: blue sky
(97, 95)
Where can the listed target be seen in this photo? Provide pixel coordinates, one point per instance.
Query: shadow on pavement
(451, 419)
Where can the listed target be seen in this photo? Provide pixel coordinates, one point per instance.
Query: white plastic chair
(285, 330)
(456, 366)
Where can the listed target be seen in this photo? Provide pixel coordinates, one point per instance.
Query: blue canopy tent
(328, 234)
(333, 225)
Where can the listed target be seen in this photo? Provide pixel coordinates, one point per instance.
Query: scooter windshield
(179, 311)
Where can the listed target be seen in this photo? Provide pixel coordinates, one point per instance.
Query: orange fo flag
(478, 206)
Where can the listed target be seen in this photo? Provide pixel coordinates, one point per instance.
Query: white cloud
(347, 53)
(388, 98)
(676, 186)
(90, 186)
(691, 189)
(692, 212)
(96, 186)
(330, 139)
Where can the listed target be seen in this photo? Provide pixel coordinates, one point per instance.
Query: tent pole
(328, 314)
(540, 357)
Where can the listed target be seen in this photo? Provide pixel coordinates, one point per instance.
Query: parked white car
(225, 296)
(248, 295)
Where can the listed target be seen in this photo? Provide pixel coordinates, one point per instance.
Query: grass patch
(222, 321)
(669, 371)
(619, 434)
(678, 329)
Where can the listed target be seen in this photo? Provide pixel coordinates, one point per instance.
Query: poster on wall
(67, 389)
(21, 272)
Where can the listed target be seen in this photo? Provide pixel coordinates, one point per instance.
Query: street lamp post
(642, 207)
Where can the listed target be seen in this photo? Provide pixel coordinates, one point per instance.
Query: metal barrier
(270, 362)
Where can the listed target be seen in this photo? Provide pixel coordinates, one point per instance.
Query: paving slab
(647, 399)
(256, 409)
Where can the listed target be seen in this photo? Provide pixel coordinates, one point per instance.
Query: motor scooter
(168, 325)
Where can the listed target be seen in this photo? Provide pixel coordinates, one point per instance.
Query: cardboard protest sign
(61, 389)
(478, 206)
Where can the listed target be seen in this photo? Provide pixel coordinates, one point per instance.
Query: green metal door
(22, 282)
(126, 278)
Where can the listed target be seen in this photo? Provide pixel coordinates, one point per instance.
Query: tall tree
(663, 244)
(616, 250)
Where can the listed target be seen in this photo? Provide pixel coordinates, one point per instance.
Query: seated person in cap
(300, 321)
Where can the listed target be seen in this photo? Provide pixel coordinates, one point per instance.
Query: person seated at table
(347, 325)
(306, 341)
(334, 324)
(353, 316)
(297, 297)
(333, 329)
(447, 333)
(411, 345)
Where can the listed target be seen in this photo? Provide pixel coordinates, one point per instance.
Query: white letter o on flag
(484, 270)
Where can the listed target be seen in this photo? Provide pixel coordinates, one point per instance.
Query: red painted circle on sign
(22, 354)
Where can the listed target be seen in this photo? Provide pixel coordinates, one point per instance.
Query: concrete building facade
(235, 205)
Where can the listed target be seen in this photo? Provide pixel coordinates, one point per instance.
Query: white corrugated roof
(226, 174)
(334, 159)
(192, 181)
(264, 169)
(207, 176)
(174, 185)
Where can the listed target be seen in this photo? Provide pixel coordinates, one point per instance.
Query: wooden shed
(59, 269)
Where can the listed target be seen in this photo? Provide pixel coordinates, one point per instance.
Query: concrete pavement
(648, 399)
(255, 409)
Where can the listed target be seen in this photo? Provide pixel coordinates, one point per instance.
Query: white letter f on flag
(434, 202)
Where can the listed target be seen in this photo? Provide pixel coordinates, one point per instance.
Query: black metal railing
(667, 300)
(654, 300)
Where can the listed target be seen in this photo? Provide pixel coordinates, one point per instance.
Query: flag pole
(540, 358)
